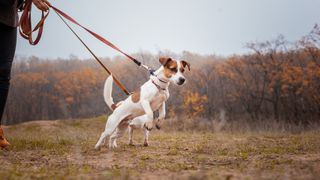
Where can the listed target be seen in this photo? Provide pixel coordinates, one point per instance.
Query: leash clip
(151, 71)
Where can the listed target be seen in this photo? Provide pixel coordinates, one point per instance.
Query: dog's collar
(160, 88)
(162, 80)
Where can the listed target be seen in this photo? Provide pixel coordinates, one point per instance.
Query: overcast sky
(220, 27)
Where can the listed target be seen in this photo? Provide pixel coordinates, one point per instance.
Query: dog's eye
(174, 70)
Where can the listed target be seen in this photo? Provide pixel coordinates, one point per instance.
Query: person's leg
(8, 39)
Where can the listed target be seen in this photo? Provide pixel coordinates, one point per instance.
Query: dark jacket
(9, 12)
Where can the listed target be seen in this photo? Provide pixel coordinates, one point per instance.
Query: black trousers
(8, 41)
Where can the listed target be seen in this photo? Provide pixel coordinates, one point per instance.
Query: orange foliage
(193, 103)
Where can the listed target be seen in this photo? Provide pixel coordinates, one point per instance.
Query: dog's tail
(107, 93)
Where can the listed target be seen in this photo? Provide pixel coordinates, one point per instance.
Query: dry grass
(64, 150)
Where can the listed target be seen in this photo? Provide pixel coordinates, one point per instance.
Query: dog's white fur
(153, 95)
(136, 123)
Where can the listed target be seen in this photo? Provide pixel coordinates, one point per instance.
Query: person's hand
(41, 4)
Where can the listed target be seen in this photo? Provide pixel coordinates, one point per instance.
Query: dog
(141, 104)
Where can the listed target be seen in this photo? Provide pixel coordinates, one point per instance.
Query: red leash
(97, 36)
(26, 32)
(25, 24)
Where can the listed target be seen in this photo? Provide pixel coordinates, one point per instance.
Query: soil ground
(64, 150)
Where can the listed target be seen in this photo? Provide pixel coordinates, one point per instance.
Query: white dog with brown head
(138, 108)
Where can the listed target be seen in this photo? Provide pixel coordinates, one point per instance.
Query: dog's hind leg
(111, 125)
(113, 139)
(117, 134)
(101, 140)
(130, 135)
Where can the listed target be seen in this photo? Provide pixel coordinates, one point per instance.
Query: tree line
(277, 80)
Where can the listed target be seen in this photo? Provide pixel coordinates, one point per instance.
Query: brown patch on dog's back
(170, 68)
(135, 96)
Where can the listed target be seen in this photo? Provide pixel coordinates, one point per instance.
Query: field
(64, 150)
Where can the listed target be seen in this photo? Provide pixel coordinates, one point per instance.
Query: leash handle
(25, 28)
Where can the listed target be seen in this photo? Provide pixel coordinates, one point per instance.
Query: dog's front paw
(148, 125)
(158, 124)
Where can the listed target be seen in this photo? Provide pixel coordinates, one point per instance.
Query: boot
(3, 142)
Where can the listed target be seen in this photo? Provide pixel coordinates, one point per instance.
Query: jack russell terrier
(137, 110)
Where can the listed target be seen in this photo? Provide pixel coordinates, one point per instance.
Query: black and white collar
(159, 83)
(163, 81)
(158, 86)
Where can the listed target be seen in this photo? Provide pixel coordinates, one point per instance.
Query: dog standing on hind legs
(142, 103)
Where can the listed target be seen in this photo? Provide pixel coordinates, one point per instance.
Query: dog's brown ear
(185, 63)
(164, 60)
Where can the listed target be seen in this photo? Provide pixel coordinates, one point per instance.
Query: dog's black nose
(181, 80)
